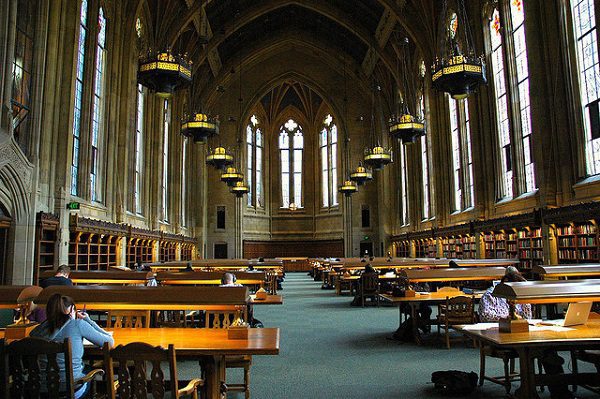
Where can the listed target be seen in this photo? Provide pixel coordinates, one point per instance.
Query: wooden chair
(128, 319)
(139, 361)
(457, 310)
(28, 361)
(224, 319)
(508, 357)
(368, 287)
(589, 356)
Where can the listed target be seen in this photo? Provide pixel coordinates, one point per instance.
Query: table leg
(527, 370)
(414, 313)
(214, 376)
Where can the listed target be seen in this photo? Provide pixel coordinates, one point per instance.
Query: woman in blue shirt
(64, 321)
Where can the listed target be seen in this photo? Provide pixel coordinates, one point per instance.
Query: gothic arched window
(254, 152)
(291, 147)
(328, 146)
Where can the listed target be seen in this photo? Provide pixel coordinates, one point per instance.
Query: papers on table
(480, 326)
(549, 328)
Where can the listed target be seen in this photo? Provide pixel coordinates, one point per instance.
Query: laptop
(577, 313)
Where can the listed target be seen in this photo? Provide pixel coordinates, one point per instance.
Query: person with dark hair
(60, 278)
(453, 265)
(492, 308)
(188, 267)
(65, 321)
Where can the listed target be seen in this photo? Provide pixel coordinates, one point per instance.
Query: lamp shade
(164, 72)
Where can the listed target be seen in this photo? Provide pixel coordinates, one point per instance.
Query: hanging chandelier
(239, 189)
(200, 127)
(377, 157)
(406, 128)
(348, 188)
(164, 72)
(219, 158)
(361, 175)
(457, 70)
(231, 176)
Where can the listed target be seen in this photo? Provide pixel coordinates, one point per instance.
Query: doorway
(366, 246)
(221, 251)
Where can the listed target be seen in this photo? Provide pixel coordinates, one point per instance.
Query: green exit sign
(73, 206)
(365, 238)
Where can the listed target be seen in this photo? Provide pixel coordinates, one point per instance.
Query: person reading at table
(492, 309)
(229, 280)
(60, 278)
(64, 321)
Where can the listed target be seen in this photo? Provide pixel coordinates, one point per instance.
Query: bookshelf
(402, 249)
(531, 247)
(421, 248)
(494, 244)
(138, 248)
(452, 247)
(167, 251)
(432, 249)
(92, 251)
(46, 238)
(469, 247)
(577, 242)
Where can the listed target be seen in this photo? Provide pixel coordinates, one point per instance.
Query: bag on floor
(454, 382)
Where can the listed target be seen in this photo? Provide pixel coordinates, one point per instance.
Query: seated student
(188, 267)
(492, 309)
(64, 321)
(229, 280)
(60, 278)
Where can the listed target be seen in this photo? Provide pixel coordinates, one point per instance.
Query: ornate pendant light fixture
(239, 189)
(361, 175)
(163, 72)
(348, 188)
(403, 125)
(200, 127)
(457, 70)
(377, 156)
(231, 176)
(219, 158)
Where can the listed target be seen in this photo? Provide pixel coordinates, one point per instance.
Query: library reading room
(291, 199)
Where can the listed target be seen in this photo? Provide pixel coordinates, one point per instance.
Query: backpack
(454, 382)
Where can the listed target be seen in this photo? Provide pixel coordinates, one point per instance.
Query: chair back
(28, 362)
(369, 282)
(459, 310)
(128, 319)
(448, 289)
(219, 318)
(138, 369)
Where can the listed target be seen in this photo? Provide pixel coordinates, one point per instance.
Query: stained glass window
(462, 159)
(139, 150)
(254, 149)
(328, 145)
(183, 182)
(456, 155)
(424, 165)
(502, 116)
(291, 152)
(76, 133)
(165, 160)
(98, 111)
(404, 220)
(584, 19)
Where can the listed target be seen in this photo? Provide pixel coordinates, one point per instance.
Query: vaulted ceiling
(219, 35)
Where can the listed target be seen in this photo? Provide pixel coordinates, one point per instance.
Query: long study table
(208, 346)
(533, 343)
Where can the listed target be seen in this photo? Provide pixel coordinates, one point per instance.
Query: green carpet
(332, 350)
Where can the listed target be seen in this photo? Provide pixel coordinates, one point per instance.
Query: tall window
(328, 144)
(183, 202)
(139, 150)
(22, 70)
(462, 164)
(165, 159)
(584, 19)
(254, 146)
(425, 166)
(514, 128)
(403, 187)
(78, 98)
(291, 147)
(98, 112)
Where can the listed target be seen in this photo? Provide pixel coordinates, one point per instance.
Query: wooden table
(207, 345)
(271, 300)
(532, 344)
(415, 301)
